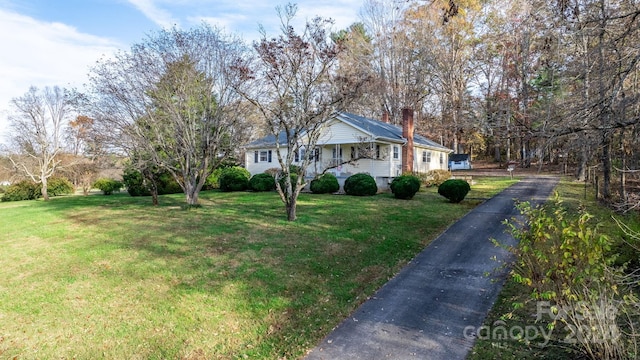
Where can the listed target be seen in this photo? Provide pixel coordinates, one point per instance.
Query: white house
(353, 144)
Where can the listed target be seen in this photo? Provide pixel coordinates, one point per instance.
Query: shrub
(167, 184)
(262, 182)
(325, 184)
(234, 178)
(565, 259)
(435, 177)
(405, 186)
(23, 190)
(108, 186)
(213, 180)
(360, 185)
(59, 186)
(134, 182)
(295, 169)
(294, 180)
(273, 171)
(454, 189)
(136, 185)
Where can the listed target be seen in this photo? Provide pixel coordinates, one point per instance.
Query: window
(354, 154)
(337, 155)
(426, 156)
(396, 152)
(262, 156)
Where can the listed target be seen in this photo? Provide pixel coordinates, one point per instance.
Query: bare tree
(37, 131)
(169, 101)
(298, 91)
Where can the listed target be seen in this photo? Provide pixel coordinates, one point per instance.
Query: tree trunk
(191, 189)
(606, 166)
(291, 208)
(44, 190)
(192, 195)
(154, 196)
(581, 174)
(153, 186)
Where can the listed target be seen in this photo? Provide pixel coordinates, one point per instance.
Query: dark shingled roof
(377, 129)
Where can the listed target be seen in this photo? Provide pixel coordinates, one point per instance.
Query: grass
(106, 277)
(574, 198)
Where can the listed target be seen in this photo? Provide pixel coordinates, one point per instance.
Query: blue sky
(54, 42)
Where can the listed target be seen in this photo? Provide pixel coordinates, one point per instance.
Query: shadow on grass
(293, 281)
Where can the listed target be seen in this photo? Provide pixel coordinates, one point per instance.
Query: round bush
(59, 186)
(454, 189)
(325, 184)
(23, 190)
(405, 186)
(234, 178)
(262, 182)
(108, 186)
(360, 185)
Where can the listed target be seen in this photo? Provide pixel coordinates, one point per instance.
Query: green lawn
(114, 277)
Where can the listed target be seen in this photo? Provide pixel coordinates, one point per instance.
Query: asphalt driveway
(422, 313)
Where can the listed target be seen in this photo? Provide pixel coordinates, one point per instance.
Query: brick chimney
(385, 117)
(407, 133)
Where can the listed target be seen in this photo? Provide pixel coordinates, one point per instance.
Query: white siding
(340, 133)
(434, 164)
(261, 166)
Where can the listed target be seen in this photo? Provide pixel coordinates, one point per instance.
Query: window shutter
(269, 156)
(296, 156)
(255, 156)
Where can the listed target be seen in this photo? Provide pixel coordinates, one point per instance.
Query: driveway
(422, 313)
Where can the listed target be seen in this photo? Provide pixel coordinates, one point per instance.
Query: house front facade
(353, 144)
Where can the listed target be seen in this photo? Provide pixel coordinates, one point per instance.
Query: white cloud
(36, 53)
(154, 13)
(245, 19)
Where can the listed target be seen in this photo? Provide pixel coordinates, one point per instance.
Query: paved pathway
(422, 313)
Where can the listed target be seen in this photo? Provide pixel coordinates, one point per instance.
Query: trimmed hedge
(234, 178)
(360, 185)
(454, 189)
(325, 184)
(405, 186)
(262, 182)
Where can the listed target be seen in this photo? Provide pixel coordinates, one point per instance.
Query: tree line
(528, 81)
